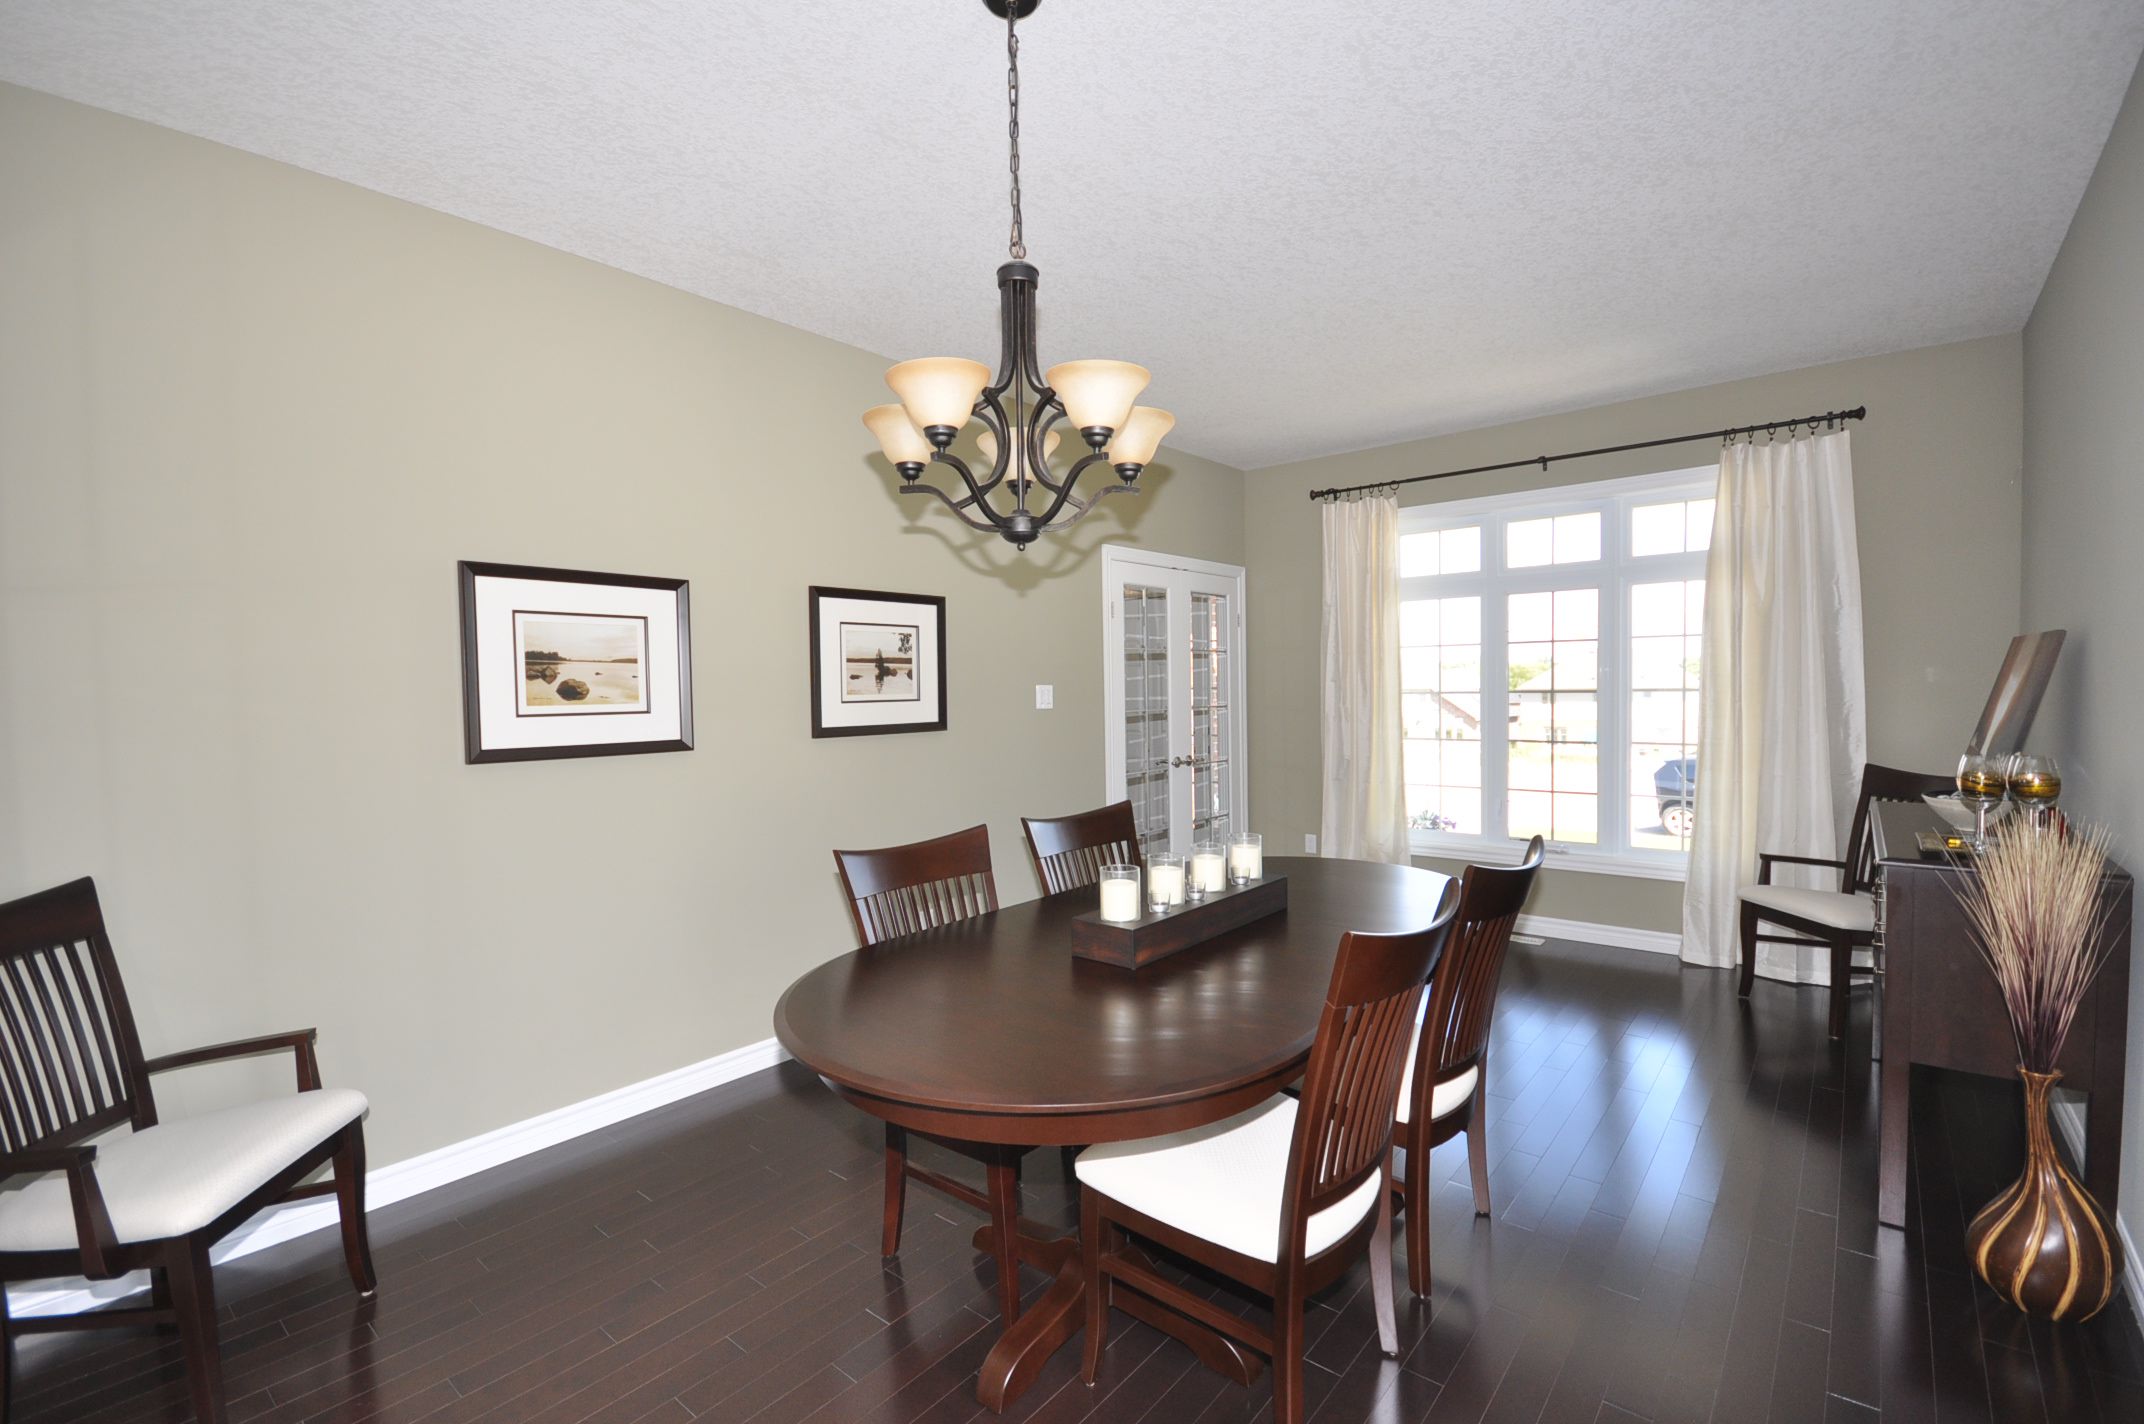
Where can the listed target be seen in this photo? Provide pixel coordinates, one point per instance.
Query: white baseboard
(2067, 1114)
(1615, 936)
(398, 1181)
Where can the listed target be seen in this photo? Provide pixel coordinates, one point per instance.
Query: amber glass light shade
(897, 435)
(1136, 443)
(988, 444)
(1097, 393)
(938, 390)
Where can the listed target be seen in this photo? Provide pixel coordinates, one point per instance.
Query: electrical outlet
(1045, 696)
(1310, 845)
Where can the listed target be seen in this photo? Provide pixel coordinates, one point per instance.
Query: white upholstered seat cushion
(1445, 1096)
(1825, 907)
(1222, 1182)
(1444, 1099)
(177, 1177)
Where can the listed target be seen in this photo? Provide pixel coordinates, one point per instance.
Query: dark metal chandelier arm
(975, 491)
(992, 414)
(1082, 508)
(1036, 438)
(959, 512)
(1072, 478)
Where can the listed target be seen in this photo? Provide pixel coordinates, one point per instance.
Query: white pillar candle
(1120, 900)
(1246, 861)
(1208, 871)
(1165, 884)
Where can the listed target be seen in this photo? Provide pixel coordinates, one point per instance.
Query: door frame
(1118, 560)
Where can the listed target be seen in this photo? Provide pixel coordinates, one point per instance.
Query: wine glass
(2036, 782)
(1981, 784)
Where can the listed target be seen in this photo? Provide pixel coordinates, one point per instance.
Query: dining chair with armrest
(904, 890)
(1841, 920)
(1286, 1196)
(1069, 851)
(158, 1197)
(1445, 1092)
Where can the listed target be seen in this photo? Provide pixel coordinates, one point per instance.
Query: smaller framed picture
(877, 662)
(568, 663)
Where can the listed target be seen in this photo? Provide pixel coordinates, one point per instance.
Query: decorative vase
(2043, 1243)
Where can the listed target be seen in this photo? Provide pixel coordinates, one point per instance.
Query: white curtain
(1782, 719)
(1365, 814)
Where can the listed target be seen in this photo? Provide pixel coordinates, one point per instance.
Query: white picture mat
(834, 611)
(499, 670)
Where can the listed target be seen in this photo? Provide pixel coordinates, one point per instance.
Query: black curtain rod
(1829, 417)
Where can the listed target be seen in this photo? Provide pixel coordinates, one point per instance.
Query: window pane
(1460, 620)
(1460, 550)
(1418, 555)
(1577, 819)
(1666, 652)
(1700, 535)
(1440, 706)
(1552, 754)
(1418, 622)
(1529, 543)
(1460, 669)
(1530, 617)
(1578, 538)
(1578, 613)
(1530, 815)
(1656, 529)
(1656, 609)
(1577, 667)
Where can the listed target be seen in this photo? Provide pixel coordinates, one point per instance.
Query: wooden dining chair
(904, 890)
(158, 1197)
(1445, 1092)
(1285, 1197)
(1070, 851)
(1841, 920)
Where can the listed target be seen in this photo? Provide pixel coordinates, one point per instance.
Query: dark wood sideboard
(1940, 1006)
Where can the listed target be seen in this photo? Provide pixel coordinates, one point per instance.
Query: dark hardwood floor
(1685, 1230)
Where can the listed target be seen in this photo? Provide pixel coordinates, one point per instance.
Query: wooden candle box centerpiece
(1133, 944)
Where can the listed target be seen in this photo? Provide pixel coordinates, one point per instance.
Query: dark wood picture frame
(474, 749)
(934, 603)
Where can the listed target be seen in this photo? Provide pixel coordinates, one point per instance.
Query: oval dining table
(989, 1033)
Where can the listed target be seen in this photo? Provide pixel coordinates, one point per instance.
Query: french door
(1173, 682)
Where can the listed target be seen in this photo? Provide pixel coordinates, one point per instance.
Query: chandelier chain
(1018, 243)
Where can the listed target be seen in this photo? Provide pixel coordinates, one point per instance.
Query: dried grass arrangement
(2039, 919)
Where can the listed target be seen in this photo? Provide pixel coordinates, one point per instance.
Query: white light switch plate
(1045, 696)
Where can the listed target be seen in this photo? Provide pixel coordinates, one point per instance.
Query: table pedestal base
(1038, 1333)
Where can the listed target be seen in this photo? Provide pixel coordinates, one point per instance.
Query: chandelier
(1019, 496)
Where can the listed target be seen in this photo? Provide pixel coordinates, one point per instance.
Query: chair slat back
(1462, 993)
(1344, 1120)
(70, 1061)
(1070, 851)
(903, 890)
(1881, 783)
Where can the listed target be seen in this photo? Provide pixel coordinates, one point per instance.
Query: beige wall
(2084, 516)
(249, 420)
(1936, 493)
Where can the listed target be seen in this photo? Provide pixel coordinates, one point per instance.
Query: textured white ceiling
(1325, 226)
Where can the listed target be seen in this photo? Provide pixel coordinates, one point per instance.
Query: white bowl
(1960, 815)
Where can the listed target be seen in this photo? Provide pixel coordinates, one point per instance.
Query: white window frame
(1613, 573)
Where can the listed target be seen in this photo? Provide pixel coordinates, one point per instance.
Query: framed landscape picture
(567, 663)
(877, 663)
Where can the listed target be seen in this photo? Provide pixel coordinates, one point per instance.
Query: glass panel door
(1175, 689)
(1208, 646)
(1146, 711)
